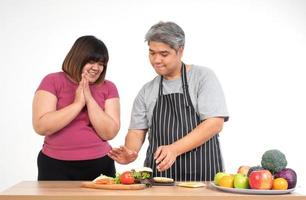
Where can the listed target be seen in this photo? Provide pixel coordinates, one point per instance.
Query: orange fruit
(280, 184)
(227, 181)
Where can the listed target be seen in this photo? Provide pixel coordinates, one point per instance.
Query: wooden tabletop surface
(72, 190)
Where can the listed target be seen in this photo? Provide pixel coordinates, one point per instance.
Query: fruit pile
(272, 174)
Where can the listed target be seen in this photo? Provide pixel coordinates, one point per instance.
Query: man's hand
(123, 155)
(164, 157)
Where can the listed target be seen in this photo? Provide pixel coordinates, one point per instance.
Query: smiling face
(165, 60)
(93, 70)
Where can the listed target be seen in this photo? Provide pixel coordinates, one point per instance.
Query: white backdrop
(257, 49)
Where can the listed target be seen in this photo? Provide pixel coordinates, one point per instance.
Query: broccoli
(273, 160)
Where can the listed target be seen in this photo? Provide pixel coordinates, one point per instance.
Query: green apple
(241, 181)
(218, 176)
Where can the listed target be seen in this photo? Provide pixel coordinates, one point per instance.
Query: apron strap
(160, 92)
(187, 98)
(185, 86)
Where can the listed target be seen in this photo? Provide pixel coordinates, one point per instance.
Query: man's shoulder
(149, 89)
(200, 73)
(148, 86)
(201, 70)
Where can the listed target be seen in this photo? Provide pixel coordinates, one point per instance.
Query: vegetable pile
(142, 176)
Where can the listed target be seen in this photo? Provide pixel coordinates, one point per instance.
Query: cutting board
(191, 184)
(113, 186)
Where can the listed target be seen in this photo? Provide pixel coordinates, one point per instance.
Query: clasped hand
(83, 94)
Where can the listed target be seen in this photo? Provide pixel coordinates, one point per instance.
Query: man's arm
(129, 152)
(135, 139)
(201, 134)
(165, 155)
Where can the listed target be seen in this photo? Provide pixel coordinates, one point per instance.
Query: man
(183, 110)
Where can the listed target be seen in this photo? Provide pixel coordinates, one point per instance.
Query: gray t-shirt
(205, 92)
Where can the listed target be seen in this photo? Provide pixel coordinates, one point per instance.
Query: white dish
(251, 191)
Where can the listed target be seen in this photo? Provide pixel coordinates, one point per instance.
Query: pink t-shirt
(78, 140)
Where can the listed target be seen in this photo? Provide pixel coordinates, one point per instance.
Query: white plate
(251, 191)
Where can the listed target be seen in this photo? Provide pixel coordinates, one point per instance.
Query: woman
(77, 111)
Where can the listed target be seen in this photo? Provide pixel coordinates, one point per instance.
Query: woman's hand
(86, 89)
(123, 155)
(79, 94)
(164, 157)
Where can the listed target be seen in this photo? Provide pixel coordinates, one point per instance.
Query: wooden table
(71, 190)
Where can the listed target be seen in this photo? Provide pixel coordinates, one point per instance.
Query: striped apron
(173, 118)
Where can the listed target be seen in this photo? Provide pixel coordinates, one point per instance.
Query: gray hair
(167, 32)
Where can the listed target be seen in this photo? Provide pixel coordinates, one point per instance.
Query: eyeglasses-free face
(93, 70)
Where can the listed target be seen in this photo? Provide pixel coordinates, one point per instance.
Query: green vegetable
(143, 177)
(273, 160)
(117, 178)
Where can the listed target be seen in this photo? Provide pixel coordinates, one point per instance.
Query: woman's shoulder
(55, 75)
(52, 82)
(109, 88)
(108, 84)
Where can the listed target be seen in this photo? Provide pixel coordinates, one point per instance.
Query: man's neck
(177, 73)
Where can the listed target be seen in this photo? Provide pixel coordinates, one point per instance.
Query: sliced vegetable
(127, 178)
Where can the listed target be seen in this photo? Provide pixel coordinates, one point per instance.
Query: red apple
(261, 180)
(243, 169)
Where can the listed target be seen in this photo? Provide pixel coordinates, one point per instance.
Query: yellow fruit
(280, 184)
(218, 177)
(227, 181)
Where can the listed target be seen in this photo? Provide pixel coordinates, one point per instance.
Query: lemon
(227, 181)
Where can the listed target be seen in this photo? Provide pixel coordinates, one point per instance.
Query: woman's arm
(106, 122)
(46, 119)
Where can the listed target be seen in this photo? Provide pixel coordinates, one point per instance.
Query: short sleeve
(48, 83)
(112, 90)
(139, 112)
(211, 99)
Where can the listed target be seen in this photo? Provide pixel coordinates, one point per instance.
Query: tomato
(127, 178)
